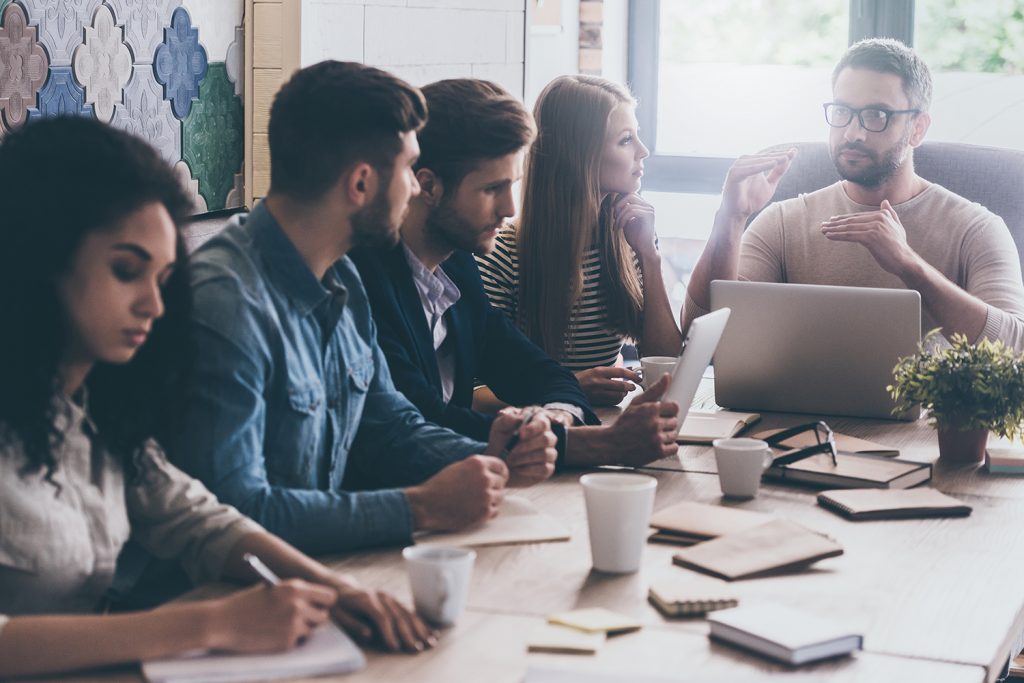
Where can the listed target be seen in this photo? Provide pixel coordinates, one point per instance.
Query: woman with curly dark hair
(94, 303)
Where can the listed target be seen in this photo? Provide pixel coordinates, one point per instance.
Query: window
(975, 51)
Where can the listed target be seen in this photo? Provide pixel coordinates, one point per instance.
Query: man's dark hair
(60, 180)
(889, 56)
(332, 115)
(470, 121)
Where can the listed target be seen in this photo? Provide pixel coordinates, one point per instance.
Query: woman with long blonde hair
(581, 271)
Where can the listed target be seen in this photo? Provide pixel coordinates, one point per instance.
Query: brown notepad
(692, 596)
(687, 523)
(866, 504)
(518, 521)
(844, 443)
(776, 546)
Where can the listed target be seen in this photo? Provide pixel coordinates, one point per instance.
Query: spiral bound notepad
(690, 597)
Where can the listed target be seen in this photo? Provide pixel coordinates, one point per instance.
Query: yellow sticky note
(556, 639)
(596, 620)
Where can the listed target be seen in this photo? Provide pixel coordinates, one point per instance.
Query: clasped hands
(472, 490)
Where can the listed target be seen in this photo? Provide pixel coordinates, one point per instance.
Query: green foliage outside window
(971, 35)
(952, 35)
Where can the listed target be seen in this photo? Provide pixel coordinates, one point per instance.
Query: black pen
(262, 570)
(514, 441)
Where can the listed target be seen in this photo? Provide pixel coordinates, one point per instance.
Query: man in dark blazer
(435, 324)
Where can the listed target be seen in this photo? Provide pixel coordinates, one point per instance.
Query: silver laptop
(813, 348)
(699, 346)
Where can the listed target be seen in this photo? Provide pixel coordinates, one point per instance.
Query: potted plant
(968, 390)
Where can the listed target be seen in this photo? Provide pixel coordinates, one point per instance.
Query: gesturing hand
(880, 232)
(752, 180)
(604, 386)
(646, 430)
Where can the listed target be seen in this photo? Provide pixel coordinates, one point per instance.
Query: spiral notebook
(691, 596)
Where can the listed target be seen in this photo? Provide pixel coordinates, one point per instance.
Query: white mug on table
(653, 367)
(741, 462)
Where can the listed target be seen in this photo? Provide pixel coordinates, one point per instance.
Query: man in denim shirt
(293, 417)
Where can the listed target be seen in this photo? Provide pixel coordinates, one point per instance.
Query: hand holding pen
(522, 437)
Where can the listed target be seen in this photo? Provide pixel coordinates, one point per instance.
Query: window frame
(705, 174)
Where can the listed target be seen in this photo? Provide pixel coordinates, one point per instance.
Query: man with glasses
(882, 225)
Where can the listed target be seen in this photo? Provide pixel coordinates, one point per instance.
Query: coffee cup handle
(768, 459)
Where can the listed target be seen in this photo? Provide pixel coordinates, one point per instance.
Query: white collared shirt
(437, 294)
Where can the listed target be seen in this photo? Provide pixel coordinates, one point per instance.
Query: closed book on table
(1004, 460)
(687, 522)
(852, 472)
(868, 504)
(776, 546)
(704, 426)
(784, 634)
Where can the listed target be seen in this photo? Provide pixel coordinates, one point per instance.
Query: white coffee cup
(740, 465)
(439, 576)
(619, 507)
(653, 367)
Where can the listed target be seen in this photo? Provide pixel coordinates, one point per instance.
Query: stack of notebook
(688, 523)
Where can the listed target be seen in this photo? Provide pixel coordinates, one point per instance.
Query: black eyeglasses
(872, 119)
(822, 432)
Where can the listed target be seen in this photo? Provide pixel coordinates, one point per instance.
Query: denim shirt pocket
(360, 377)
(303, 430)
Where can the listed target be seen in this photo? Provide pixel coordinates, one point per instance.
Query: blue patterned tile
(61, 96)
(180, 63)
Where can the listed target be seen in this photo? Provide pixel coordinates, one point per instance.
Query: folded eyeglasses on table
(822, 432)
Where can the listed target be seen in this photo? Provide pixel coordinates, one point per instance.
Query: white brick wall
(420, 40)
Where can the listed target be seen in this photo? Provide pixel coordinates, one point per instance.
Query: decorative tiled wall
(166, 70)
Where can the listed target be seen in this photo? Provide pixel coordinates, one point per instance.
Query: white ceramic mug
(653, 367)
(740, 465)
(619, 507)
(439, 576)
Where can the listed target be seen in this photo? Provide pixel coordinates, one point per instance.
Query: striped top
(589, 340)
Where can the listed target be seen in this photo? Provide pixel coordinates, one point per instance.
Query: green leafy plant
(964, 386)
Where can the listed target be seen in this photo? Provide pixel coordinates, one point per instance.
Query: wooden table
(936, 599)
